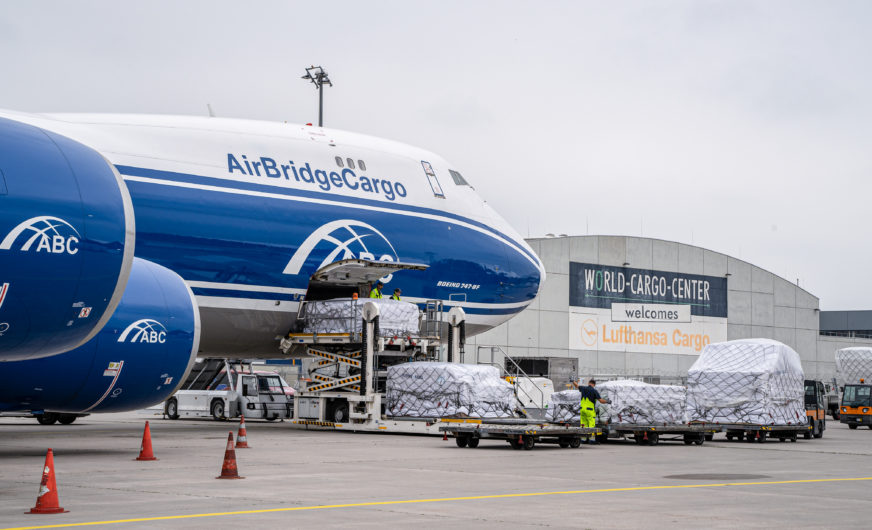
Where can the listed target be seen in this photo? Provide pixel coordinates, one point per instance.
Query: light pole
(318, 76)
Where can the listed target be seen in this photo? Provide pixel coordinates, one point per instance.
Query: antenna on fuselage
(209, 108)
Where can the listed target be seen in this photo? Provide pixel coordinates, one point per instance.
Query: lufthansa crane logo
(342, 239)
(50, 234)
(145, 330)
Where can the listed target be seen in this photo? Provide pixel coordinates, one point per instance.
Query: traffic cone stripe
(228, 469)
(241, 438)
(47, 498)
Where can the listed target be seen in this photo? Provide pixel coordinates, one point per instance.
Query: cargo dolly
(753, 432)
(689, 433)
(519, 433)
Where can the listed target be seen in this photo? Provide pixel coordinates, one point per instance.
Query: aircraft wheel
(66, 419)
(49, 418)
(172, 409)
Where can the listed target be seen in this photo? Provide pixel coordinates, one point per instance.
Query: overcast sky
(742, 127)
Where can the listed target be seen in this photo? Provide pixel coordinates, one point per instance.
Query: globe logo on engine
(339, 240)
(146, 330)
(52, 235)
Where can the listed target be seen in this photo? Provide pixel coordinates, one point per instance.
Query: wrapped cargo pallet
(438, 390)
(565, 406)
(852, 365)
(344, 315)
(751, 381)
(641, 403)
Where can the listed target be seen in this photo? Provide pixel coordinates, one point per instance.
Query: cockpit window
(458, 178)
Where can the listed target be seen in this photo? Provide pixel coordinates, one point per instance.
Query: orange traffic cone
(241, 440)
(445, 436)
(47, 499)
(228, 470)
(145, 452)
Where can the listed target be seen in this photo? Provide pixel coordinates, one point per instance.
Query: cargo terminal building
(620, 306)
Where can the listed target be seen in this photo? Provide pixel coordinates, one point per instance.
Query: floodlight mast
(318, 76)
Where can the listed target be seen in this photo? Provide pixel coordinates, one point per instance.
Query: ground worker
(396, 295)
(376, 291)
(589, 395)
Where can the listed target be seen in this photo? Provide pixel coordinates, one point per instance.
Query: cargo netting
(752, 381)
(565, 406)
(344, 315)
(852, 365)
(438, 390)
(641, 403)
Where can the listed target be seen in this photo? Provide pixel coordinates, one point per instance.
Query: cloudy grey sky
(743, 127)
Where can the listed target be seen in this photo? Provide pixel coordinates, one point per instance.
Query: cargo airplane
(130, 245)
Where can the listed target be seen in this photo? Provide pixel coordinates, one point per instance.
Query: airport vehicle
(760, 433)
(520, 433)
(240, 215)
(689, 433)
(220, 389)
(854, 371)
(857, 405)
(353, 397)
(815, 408)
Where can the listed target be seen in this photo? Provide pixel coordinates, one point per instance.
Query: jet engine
(138, 359)
(66, 241)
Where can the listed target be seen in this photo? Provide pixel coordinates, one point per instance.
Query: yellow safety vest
(375, 293)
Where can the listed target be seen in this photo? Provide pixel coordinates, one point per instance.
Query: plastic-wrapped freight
(565, 406)
(344, 315)
(437, 390)
(641, 403)
(854, 364)
(755, 381)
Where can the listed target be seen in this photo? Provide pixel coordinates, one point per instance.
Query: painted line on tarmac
(424, 501)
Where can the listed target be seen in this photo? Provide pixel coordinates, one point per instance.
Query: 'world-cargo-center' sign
(643, 310)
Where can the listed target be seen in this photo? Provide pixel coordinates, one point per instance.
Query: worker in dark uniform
(396, 295)
(376, 291)
(589, 397)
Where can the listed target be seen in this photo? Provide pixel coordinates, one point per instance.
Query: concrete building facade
(640, 307)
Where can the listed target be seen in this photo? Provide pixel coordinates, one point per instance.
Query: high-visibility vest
(395, 297)
(375, 293)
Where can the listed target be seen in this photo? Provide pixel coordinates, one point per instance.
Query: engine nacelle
(138, 359)
(66, 241)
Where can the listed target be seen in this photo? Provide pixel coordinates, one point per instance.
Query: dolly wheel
(516, 444)
(563, 442)
(461, 441)
(529, 442)
(575, 442)
(472, 443)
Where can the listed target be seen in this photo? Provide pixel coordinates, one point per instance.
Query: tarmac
(305, 478)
